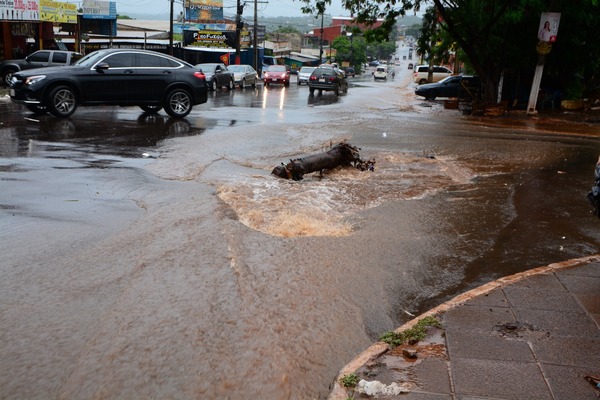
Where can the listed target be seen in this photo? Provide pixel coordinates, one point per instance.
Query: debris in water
(375, 388)
(342, 154)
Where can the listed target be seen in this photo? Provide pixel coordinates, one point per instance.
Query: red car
(277, 74)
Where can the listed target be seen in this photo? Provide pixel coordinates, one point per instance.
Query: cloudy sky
(266, 8)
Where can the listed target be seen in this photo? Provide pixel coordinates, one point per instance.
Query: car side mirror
(101, 67)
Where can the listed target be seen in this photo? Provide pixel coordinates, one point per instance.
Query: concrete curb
(338, 391)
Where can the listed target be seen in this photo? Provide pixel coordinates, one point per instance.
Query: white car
(380, 73)
(421, 73)
(243, 75)
(304, 74)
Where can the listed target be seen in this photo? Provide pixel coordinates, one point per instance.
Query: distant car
(304, 74)
(350, 72)
(243, 75)
(459, 86)
(374, 63)
(277, 74)
(217, 75)
(39, 59)
(421, 74)
(410, 65)
(122, 77)
(380, 73)
(327, 79)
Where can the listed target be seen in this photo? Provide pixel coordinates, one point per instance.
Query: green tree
(351, 49)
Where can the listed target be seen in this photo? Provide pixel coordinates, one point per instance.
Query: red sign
(225, 58)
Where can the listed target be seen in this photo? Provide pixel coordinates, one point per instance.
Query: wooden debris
(340, 155)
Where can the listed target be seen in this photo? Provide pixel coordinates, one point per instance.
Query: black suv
(39, 59)
(123, 77)
(327, 78)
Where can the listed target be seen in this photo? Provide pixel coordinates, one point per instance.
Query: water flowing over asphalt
(199, 275)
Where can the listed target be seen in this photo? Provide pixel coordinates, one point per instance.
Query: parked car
(304, 74)
(123, 77)
(459, 86)
(277, 74)
(243, 75)
(327, 79)
(421, 73)
(350, 72)
(380, 73)
(217, 75)
(38, 59)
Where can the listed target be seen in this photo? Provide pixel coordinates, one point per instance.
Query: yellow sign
(54, 11)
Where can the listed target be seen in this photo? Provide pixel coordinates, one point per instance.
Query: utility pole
(238, 30)
(255, 39)
(171, 29)
(321, 41)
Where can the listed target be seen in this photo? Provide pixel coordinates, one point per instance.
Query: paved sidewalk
(533, 335)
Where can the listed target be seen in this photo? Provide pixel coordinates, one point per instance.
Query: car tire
(178, 103)
(422, 81)
(287, 84)
(214, 85)
(430, 96)
(37, 108)
(231, 85)
(345, 90)
(7, 75)
(243, 84)
(311, 91)
(254, 83)
(151, 109)
(62, 101)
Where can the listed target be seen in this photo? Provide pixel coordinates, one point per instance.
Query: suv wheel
(231, 85)
(214, 85)
(62, 101)
(7, 75)
(178, 103)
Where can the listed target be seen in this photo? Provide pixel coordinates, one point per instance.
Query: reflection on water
(96, 128)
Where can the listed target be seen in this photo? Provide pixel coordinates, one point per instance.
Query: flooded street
(177, 266)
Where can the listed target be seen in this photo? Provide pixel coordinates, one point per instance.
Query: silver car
(304, 74)
(243, 75)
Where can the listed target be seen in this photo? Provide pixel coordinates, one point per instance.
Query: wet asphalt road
(149, 257)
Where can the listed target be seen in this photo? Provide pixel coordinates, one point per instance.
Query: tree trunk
(342, 154)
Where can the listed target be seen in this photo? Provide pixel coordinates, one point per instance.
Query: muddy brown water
(199, 275)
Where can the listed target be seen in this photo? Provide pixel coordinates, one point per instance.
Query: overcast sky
(266, 8)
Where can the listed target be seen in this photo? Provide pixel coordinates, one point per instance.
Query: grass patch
(350, 380)
(413, 334)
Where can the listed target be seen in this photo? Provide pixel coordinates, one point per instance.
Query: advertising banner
(20, 10)
(215, 39)
(96, 9)
(54, 11)
(548, 29)
(204, 10)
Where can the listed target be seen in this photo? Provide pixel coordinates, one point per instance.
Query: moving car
(38, 59)
(243, 75)
(327, 79)
(277, 74)
(123, 77)
(304, 74)
(350, 72)
(380, 73)
(421, 74)
(217, 75)
(459, 86)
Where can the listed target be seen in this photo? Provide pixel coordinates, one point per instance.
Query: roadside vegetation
(497, 40)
